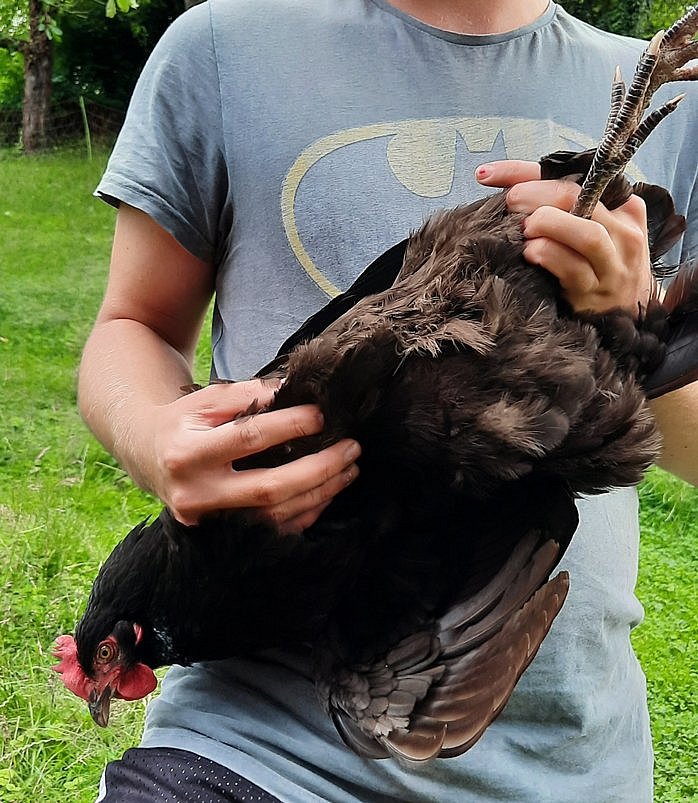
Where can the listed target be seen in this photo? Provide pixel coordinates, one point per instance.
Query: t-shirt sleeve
(169, 159)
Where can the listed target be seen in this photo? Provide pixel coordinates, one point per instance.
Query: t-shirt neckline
(470, 39)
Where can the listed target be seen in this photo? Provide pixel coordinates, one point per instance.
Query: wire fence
(79, 123)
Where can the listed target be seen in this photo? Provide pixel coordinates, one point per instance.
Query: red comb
(69, 668)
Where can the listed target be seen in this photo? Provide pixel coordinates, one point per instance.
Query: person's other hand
(601, 263)
(196, 438)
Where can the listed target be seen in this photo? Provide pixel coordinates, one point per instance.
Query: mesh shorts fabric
(168, 775)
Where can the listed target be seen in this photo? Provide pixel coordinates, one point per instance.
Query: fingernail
(351, 474)
(352, 451)
(483, 171)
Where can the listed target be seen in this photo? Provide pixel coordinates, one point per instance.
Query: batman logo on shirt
(396, 171)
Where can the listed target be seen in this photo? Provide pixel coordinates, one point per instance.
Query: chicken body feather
(483, 406)
(423, 591)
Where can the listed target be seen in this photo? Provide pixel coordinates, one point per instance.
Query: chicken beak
(99, 704)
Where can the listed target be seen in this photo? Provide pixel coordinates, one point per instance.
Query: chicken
(490, 406)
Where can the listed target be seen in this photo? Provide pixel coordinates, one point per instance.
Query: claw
(617, 96)
(663, 61)
(677, 48)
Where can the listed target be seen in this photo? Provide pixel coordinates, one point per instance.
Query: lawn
(64, 503)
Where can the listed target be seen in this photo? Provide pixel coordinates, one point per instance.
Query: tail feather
(679, 366)
(664, 226)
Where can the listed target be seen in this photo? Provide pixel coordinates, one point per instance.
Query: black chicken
(490, 406)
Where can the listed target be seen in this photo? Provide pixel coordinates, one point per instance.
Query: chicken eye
(105, 652)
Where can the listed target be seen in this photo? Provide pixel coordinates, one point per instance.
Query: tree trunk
(38, 72)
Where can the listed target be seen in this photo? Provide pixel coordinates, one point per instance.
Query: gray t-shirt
(290, 143)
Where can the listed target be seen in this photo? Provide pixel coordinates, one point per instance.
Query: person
(272, 149)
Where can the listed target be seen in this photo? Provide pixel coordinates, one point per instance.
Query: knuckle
(306, 421)
(636, 206)
(182, 505)
(175, 461)
(267, 491)
(535, 218)
(568, 192)
(588, 283)
(276, 515)
(535, 250)
(321, 494)
(539, 220)
(594, 237)
(545, 252)
(515, 196)
(250, 434)
(326, 492)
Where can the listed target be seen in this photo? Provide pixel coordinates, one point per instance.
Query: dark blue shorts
(167, 775)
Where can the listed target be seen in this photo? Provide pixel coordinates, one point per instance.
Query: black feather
(483, 407)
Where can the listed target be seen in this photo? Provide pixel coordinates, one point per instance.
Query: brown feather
(483, 406)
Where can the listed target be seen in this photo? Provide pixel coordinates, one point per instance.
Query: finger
(506, 173)
(222, 402)
(588, 238)
(297, 525)
(575, 274)
(531, 195)
(268, 487)
(634, 208)
(255, 433)
(303, 510)
(527, 197)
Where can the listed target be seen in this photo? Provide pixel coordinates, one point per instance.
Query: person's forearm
(126, 372)
(677, 416)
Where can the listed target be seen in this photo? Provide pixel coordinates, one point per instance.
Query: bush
(11, 80)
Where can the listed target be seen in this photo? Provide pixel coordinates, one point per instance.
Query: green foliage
(640, 18)
(619, 17)
(120, 5)
(664, 13)
(14, 22)
(94, 56)
(101, 57)
(14, 19)
(11, 79)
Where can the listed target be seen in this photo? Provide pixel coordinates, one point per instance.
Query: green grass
(64, 504)
(63, 501)
(666, 640)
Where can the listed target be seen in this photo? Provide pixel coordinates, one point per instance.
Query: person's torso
(343, 125)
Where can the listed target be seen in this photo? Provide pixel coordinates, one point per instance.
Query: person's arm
(677, 416)
(601, 263)
(180, 447)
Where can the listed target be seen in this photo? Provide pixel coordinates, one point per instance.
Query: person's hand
(601, 263)
(194, 440)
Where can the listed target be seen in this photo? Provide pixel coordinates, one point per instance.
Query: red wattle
(136, 683)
